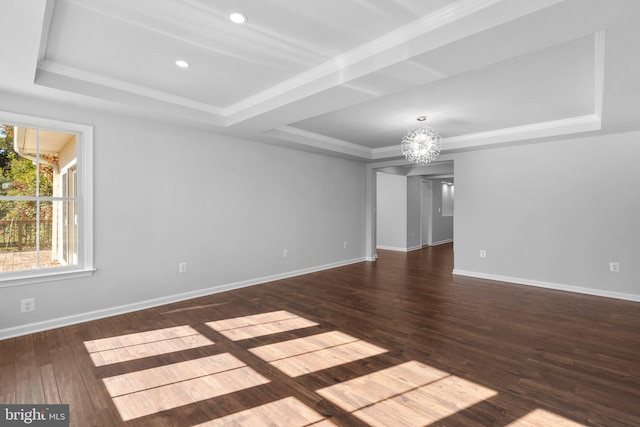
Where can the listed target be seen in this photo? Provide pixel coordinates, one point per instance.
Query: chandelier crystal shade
(422, 144)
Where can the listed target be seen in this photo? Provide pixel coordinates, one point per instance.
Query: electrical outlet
(285, 253)
(182, 267)
(27, 305)
(483, 253)
(614, 267)
(345, 245)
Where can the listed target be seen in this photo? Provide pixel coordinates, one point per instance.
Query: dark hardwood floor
(400, 341)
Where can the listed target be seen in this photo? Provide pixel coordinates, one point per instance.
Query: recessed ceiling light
(238, 18)
(182, 64)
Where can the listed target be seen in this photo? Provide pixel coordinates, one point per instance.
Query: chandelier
(422, 144)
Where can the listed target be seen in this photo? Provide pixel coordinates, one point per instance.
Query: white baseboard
(155, 302)
(549, 285)
(412, 248)
(397, 249)
(441, 242)
(392, 248)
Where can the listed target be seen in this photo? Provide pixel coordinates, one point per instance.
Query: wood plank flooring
(397, 342)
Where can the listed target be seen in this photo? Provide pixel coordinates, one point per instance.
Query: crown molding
(386, 152)
(520, 133)
(587, 123)
(552, 128)
(102, 80)
(315, 140)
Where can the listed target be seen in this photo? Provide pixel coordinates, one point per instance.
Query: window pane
(21, 148)
(65, 233)
(48, 177)
(18, 173)
(48, 235)
(18, 235)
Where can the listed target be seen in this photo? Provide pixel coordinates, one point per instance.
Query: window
(45, 199)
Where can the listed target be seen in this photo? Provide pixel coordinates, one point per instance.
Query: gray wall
(391, 211)
(552, 214)
(165, 194)
(547, 214)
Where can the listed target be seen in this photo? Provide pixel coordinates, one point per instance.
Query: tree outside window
(38, 206)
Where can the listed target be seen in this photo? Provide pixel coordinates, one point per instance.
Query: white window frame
(84, 159)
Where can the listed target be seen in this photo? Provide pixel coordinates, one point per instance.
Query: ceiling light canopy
(182, 63)
(422, 144)
(238, 18)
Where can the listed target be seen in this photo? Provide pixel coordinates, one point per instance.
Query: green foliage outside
(18, 178)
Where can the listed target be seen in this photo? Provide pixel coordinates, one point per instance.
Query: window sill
(31, 277)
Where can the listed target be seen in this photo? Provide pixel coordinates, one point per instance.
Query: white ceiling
(340, 77)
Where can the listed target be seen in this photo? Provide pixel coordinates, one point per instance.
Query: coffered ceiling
(340, 77)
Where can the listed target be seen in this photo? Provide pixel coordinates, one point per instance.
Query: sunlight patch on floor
(288, 412)
(245, 327)
(149, 391)
(128, 347)
(314, 353)
(542, 418)
(410, 394)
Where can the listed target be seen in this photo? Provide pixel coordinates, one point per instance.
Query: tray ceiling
(339, 77)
